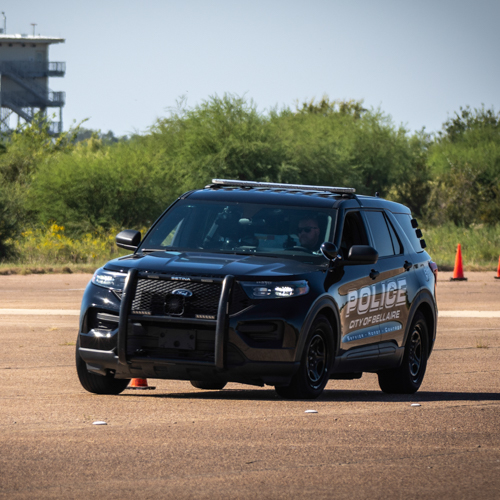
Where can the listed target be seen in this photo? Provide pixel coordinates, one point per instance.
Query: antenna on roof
(4, 23)
(33, 24)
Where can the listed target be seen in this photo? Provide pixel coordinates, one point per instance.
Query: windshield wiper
(151, 250)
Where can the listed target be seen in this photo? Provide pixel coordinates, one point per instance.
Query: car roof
(267, 196)
(376, 202)
(289, 195)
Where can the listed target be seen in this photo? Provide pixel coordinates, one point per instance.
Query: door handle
(373, 274)
(407, 265)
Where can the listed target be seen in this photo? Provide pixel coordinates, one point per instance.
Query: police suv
(264, 284)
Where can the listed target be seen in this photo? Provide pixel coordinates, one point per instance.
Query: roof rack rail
(298, 187)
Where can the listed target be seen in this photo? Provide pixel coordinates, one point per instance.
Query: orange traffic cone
(458, 272)
(140, 384)
(497, 277)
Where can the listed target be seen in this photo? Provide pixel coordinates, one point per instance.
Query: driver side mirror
(128, 239)
(358, 254)
(361, 254)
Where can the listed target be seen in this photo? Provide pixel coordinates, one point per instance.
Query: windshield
(202, 226)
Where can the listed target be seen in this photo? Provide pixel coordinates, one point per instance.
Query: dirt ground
(245, 442)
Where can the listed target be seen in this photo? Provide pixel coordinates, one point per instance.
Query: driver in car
(308, 232)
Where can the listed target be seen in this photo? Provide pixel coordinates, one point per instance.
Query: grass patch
(480, 246)
(7, 269)
(37, 248)
(52, 250)
(481, 344)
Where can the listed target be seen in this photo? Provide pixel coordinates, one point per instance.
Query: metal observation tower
(24, 77)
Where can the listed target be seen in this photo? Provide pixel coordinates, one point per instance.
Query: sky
(129, 62)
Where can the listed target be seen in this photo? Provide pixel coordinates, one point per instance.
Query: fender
(423, 296)
(322, 302)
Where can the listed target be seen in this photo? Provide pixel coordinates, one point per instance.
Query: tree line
(91, 181)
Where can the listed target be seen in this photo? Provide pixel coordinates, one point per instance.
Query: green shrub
(96, 186)
(451, 180)
(465, 164)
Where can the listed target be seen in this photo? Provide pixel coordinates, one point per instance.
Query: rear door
(393, 276)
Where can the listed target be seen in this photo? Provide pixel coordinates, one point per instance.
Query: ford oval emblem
(183, 292)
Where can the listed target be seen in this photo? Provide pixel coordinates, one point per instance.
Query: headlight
(274, 290)
(109, 279)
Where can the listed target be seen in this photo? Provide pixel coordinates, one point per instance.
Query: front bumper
(222, 349)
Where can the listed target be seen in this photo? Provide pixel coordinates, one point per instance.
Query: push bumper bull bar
(221, 323)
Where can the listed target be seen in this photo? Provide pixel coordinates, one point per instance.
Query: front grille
(155, 297)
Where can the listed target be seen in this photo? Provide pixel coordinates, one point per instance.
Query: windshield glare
(241, 228)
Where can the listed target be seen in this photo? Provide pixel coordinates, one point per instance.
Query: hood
(212, 264)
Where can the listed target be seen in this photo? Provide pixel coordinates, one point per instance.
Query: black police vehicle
(264, 284)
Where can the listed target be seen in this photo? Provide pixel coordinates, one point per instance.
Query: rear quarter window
(404, 221)
(380, 232)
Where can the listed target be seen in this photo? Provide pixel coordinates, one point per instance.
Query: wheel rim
(316, 360)
(415, 357)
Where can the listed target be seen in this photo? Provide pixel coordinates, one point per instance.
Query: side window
(404, 221)
(380, 231)
(396, 243)
(354, 232)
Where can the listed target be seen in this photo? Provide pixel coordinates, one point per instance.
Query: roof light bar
(299, 187)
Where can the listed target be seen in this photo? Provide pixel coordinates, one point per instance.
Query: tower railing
(33, 69)
(32, 94)
(30, 99)
(40, 92)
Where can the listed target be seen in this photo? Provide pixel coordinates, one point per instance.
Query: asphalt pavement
(245, 442)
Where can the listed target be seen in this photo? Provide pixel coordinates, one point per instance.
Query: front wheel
(97, 384)
(408, 378)
(313, 373)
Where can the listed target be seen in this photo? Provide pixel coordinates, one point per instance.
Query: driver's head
(308, 232)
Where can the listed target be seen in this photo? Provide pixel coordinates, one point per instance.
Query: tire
(314, 370)
(408, 378)
(208, 385)
(97, 384)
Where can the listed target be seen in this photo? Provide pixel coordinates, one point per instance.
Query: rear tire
(97, 384)
(408, 378)
(207, 385)
(314, 370)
